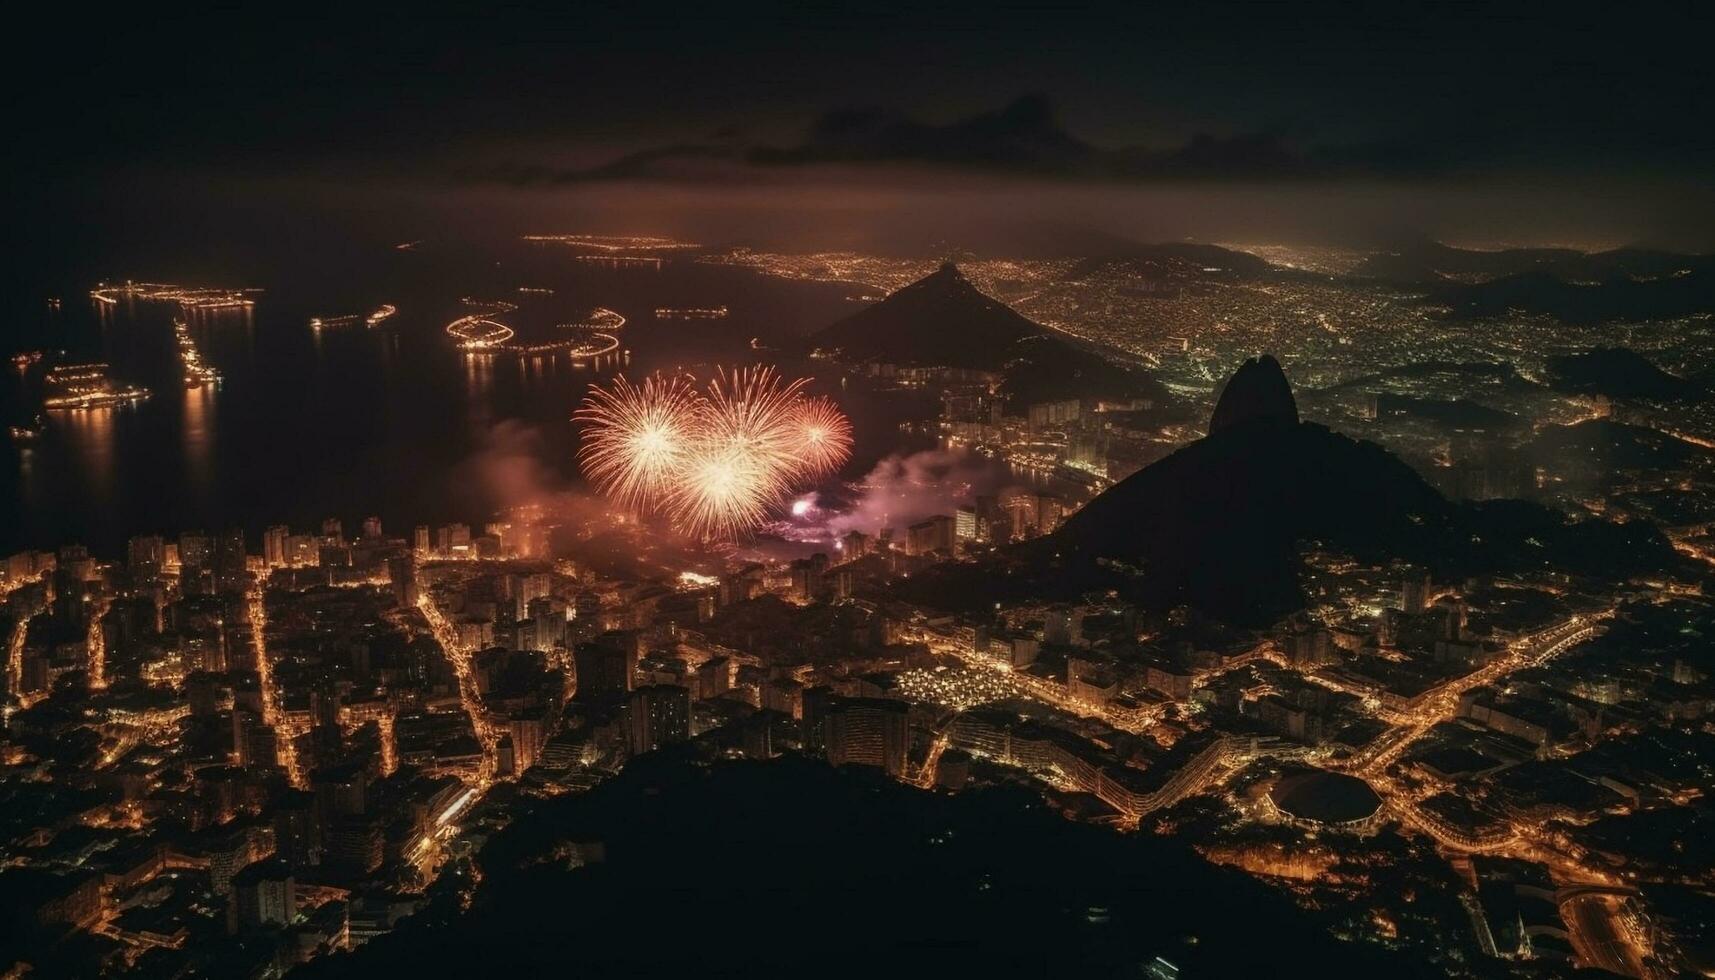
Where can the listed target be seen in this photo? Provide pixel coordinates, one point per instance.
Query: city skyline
(856, 492)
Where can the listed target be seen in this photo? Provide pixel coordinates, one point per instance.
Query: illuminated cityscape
(945, 492)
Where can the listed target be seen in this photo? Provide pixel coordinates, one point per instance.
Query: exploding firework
(742, 456)
(751, 415)
(638, 438)
(717, 462)
(723, 495)
(823, 437)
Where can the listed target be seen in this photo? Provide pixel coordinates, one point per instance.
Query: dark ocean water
(347, 422)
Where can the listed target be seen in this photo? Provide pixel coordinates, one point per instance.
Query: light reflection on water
(199, 437)
(90, 434)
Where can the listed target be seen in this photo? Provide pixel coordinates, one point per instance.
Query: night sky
(1606, 104)
(1460, 85)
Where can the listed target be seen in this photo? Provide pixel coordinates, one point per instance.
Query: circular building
(1317, 798)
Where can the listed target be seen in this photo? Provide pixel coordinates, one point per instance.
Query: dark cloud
(1312, 88)
(1484, 120)
(1025, 138)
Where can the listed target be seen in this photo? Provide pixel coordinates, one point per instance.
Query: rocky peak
(1257, 390)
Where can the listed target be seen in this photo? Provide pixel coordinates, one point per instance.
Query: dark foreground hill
(791, 868)
(1257, 391)
(1220, 524)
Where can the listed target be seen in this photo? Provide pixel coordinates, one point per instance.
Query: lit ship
(704, 313)
(31, 432)
(80, 387)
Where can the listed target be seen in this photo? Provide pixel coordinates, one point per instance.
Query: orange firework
(723, 494)
(751, 413)
(716, 463)
(637, 438)
(743, 456)
(823, 435)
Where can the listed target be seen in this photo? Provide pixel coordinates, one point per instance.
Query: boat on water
(31, 431)
(79, 387)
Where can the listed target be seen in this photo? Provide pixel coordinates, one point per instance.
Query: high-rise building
(529, 733)
(194, 558)
(814, 704)
(453, 540)
(372, 528)
(932, 535)
(785, 696)
(843, 581)
(203, 691)
(603, 670)
(1414, 593)
(1308, 647)
(231, 852)
(354, 845)
(714, 677)
(253, 743)
(303, 551)
(298, 829)
(1050, 511)
(145, 557)
(657, 715)
(965, 524)
(71, 587)
(341, 791)
(228, 562)
(402, 570)
(264, 894)
(867, 732)
(806, 580)
(274, 545)
(855, 545)
(1031, 513)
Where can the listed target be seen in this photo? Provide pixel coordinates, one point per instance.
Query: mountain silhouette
(1581, 302)
(1619, 373)
(1220, 525)
(1421, 261)
(1258, 390)
(1172, 261)
(943, 320)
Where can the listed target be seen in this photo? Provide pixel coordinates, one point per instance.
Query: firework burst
(638, 438)
(742, 458)
(751, 414)
(716, 462)
(723, 494)
(823, 437)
